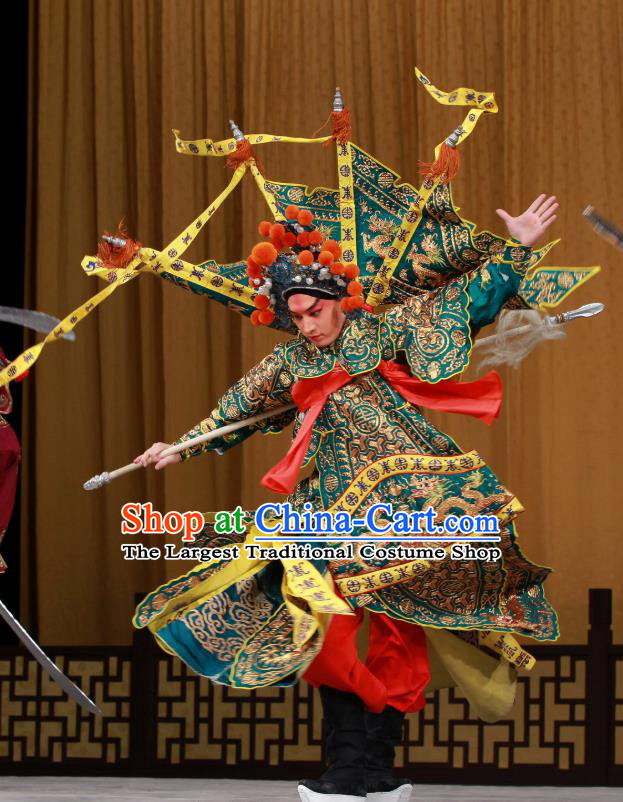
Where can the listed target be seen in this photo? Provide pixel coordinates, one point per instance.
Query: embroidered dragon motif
(434, 490)
(431, 256)
(386, 229)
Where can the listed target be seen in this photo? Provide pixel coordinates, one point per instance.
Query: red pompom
(303, 239)
(306, 257)
(344, 303)
(289, 239)
(255, 318)
(356, 302)
(264, 228)
(264, 253)
(351, 271)
(332, 245)
(336, 268)
(305, 217)
(292, 212)
(354, 288)
(261, 301)
(325, 257)
(277, 230)
(278, 243)
(266, 317)
(253, 269)
(315, 237)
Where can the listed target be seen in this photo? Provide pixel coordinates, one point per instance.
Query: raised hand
(530, 226)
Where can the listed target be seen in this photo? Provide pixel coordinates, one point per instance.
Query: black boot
(383, 734)
(345, 739)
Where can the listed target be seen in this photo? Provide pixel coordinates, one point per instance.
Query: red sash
(480, 399)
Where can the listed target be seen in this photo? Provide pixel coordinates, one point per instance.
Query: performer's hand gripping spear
(163, 454)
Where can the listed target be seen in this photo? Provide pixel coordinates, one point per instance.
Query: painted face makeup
(320, 320)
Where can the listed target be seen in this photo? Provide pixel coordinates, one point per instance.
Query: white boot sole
(307, 795)
(401, 794)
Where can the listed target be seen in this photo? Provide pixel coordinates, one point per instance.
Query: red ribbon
(480, 399)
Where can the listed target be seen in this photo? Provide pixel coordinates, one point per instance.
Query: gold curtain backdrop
(111, 78)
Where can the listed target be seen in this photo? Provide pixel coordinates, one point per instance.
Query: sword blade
(30, 319)
(72, 690)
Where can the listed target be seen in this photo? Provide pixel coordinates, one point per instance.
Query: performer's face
(318, 319)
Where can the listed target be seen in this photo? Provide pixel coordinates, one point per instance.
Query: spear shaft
(105, 478)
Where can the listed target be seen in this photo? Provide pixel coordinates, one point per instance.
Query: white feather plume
(517, 333)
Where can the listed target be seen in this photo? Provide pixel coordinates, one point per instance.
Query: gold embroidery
(352, 498)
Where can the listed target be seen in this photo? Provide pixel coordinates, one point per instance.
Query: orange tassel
(445, 167)
(242, 154)
(318, 130)
(115, 257)
(342, 129)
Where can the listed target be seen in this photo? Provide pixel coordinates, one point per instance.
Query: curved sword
(30, 319)
(72, 690)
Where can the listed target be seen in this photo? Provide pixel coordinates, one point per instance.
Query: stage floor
(138, 789)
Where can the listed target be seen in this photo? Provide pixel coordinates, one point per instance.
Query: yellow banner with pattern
(145, 260)
(225, 147)
(505, 644)
(484, 102)
(346, 187)
(268, 195)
